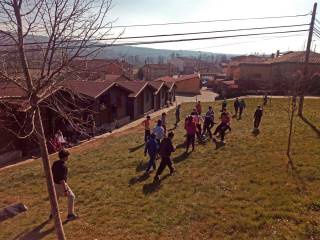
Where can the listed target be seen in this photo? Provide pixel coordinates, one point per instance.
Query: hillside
(136, 55)
(239, 191)
(141, 54)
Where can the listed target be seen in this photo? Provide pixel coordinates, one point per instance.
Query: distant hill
(137, 55)
(141, 55)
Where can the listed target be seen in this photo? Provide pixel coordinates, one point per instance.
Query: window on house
(147, 96)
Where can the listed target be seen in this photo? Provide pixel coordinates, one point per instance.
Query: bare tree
(48, 34)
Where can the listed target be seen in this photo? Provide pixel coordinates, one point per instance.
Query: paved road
(205, 96)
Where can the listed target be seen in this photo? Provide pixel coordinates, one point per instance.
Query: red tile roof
(296, 57)
(136, 87)
(186, 77)
(158, 85)
(165, 79)
(159, 66)
(88, 88)
(176, 79)
(170, 85)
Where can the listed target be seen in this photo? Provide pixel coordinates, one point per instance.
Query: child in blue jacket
(152, 149)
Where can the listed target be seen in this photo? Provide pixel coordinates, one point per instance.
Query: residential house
(185, 84)
(151, 72)
(172, 88)
(109, 102)
(160, 95)
(13, 147)
(141, 99)
(188, 66)
(227, 89)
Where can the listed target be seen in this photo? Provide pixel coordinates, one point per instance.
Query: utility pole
(306, 66)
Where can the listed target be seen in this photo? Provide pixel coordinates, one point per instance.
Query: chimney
(278, 53)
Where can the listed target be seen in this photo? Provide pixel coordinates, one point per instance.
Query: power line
(164, 41)
(209, 21)
(167, 35)
(245, 42)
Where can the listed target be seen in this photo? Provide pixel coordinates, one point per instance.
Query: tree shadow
(255, 132)
(311, 125)
(173, 128)
(302, 186)
(36, 233)
(133, 149)
(138, 179)
(182, 157)
(142, 165)
(150, 188)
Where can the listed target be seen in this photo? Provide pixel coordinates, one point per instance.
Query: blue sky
(128, 12)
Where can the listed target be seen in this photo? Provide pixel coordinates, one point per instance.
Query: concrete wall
(254, 76)
(191, 85)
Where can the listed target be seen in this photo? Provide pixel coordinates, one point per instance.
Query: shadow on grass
(36, 233)
(150, 188)
(255, 132)
(142, 165)
(217, 143)
(171, 129)
(133, 149)
(296, 175)
(181, 145)
(138, 179)
(310, 124)
(182, 157)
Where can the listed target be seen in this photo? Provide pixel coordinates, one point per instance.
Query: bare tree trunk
(50, 184)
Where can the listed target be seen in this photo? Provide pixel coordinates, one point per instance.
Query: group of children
(159, 143)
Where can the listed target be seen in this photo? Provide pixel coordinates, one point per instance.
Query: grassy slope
(240, 191)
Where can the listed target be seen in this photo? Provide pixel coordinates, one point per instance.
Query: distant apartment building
(191, 65)
(93, 69)
(231, 67)
(151, 72)
(276, 74)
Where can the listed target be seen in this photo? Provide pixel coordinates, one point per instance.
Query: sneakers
(156, 179)
(72, 216)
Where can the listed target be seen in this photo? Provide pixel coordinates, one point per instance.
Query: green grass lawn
(240, 191)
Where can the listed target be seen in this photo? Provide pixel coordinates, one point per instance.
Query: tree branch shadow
(36, 233)
(296, 175)
(133, 149)
(311, 125)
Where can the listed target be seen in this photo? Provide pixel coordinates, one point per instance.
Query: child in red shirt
(146, 123)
